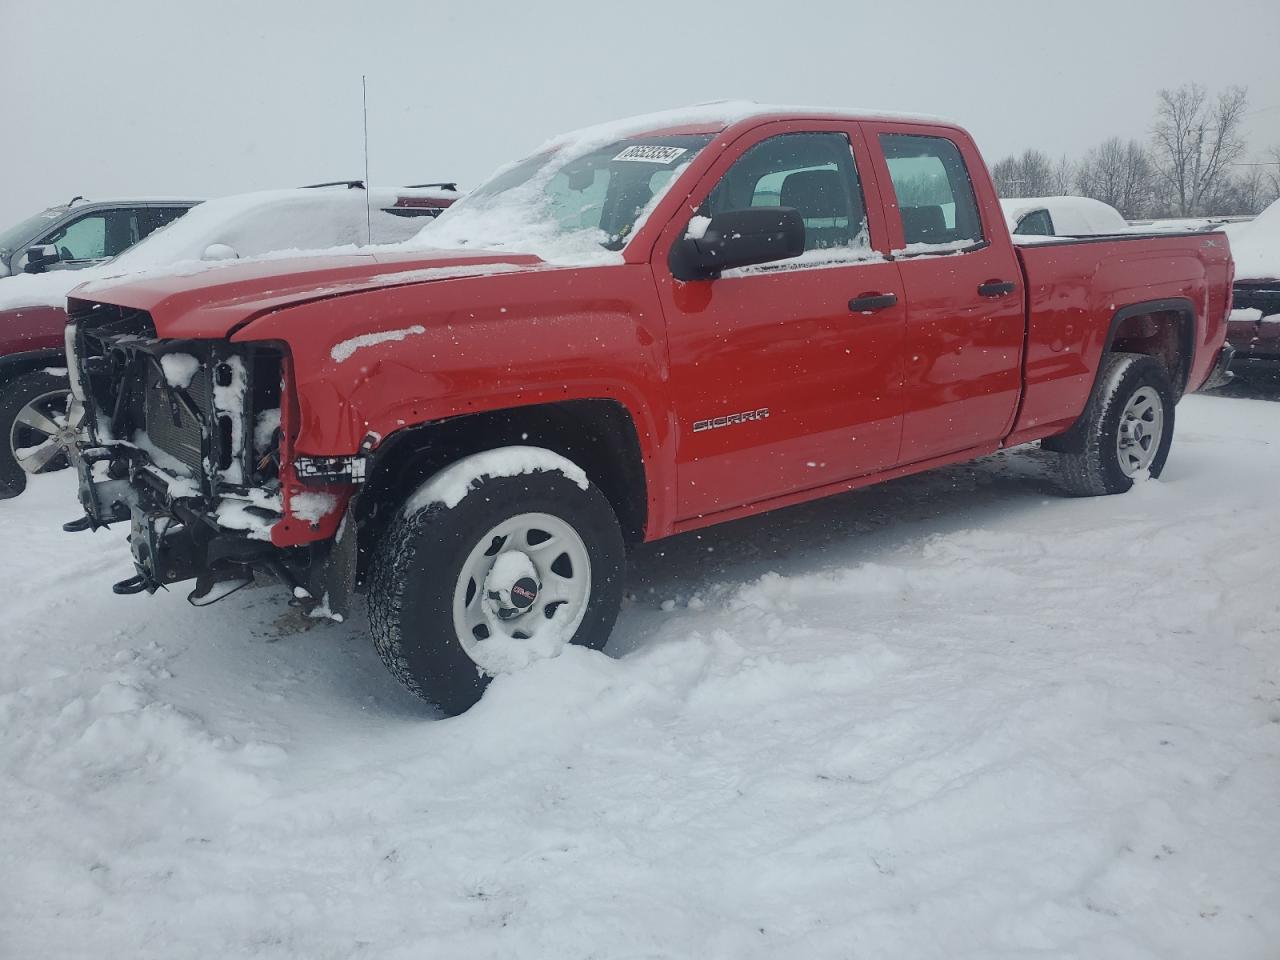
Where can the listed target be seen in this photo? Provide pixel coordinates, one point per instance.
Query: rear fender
(1122, 320)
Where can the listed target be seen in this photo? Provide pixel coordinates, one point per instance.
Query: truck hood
(213, 301)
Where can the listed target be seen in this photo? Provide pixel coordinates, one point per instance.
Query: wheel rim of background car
(1141, 429)
(497, 623)
(42, 432)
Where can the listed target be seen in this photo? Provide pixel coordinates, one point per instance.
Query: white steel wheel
(522, 592)
(510, 574)
(1140, 431)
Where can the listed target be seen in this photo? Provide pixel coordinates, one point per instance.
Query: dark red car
(1254, 330)
(642, 330)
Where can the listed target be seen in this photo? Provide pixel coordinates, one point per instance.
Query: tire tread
(1083, 465)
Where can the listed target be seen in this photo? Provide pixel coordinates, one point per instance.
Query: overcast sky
(207, 98)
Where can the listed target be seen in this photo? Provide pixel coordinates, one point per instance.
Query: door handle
(996, 288)
(867, 302)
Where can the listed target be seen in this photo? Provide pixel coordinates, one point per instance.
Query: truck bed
(1074, 286)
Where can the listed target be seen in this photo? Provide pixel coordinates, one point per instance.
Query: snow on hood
(1255, 246)
(262, 225)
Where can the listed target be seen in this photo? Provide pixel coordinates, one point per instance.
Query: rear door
(965, 315)
(779, 385)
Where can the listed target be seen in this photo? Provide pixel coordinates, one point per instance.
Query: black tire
(15, 395)
(419, 562)
(1089, 462)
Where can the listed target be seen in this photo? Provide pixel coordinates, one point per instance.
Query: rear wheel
(35, 428)
(1126, 430)
(519, 567)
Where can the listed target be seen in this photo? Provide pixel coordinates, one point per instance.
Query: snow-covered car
(1254, 327)
(1062, 217)
(34, 424)
(71, 236)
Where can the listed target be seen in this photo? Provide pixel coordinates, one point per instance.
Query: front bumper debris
(178, 534)
(173, 533)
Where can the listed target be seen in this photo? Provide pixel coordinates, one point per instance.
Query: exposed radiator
(179, 436)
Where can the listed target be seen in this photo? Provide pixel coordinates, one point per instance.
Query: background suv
(84, 232)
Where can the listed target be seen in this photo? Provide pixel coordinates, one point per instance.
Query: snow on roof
(516, 216)
(1255, 245)
(712, 116)
(1072, 216)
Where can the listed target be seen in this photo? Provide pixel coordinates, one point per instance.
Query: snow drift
(955, 715)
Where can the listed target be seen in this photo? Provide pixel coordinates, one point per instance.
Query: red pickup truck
(643, 329)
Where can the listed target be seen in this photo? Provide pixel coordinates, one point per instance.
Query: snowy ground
(954, 716)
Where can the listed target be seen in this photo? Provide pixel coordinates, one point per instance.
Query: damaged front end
(188, 441)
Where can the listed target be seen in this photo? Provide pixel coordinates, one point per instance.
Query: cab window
(935, 195)
(814, 173)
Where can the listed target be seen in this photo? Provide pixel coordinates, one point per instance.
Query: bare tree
(1273, 173)
(1120, 174)
(1028, 175)
(1196, 141)
(1244, 194)
(1251, 190)
(1004, 173)
(1063, 177)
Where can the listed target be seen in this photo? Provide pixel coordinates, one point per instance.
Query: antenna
(368, 209)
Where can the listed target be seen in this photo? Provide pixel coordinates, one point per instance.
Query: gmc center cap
(523, 592)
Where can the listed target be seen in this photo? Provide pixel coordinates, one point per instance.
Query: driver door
(779, 386)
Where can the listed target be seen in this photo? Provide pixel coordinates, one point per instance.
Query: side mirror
(219, 251)
(39, 258)
(737, 238)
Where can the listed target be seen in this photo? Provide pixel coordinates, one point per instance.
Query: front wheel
(1126, 430)
(517, 568)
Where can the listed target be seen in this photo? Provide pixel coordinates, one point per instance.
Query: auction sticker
(643, 153)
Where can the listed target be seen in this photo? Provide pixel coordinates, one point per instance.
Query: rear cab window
(936, 202)
(157, 217)
(1037, 223)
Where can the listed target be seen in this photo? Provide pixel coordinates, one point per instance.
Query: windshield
(568, 204)
(28, 229)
